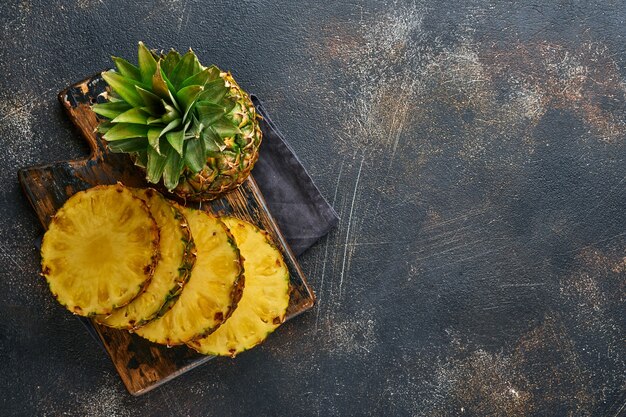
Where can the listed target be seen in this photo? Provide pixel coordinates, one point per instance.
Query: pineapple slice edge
(176, 260)
(265, 298)
(213, 290)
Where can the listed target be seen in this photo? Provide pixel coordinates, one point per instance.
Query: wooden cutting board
(142, 365)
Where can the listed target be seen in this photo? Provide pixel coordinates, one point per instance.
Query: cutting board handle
(77, 101)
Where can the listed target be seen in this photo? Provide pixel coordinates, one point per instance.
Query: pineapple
(100, 250)
(212, 291)
(265, 297)
(177, 257)
(187, 124)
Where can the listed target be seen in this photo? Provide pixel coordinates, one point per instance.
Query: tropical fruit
(100, 250)
(190, 125)
(212, 291)
(176, 259)
(131, 259)
(265, 297)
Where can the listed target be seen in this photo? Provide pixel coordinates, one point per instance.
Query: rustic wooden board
(142, 365)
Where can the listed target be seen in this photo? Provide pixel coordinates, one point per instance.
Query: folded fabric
(302, 213)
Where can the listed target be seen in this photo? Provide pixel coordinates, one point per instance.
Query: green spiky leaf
(154, 133)
(126, 131)
(128, 145)
(126, 68)
(150, 99)
(174, 102)
(227, 104)
(147, 63)
(113, 97)
(212, 141)
(124, 87)
(225, 128)
(111, 110)
(170, 61)
(104, 127)
(170, 88)
(187, 97)
(159, 85)
(208, 112)
(194, 129)
(171, 126)
(214, 91)
(169, 115)
(155, 165)
(176, 139)
(173, 167)
(141, 158)
(203, 77)
(188, 66)
(194, 154)
(135, 115)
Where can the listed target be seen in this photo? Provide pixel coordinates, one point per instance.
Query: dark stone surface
(475, 152)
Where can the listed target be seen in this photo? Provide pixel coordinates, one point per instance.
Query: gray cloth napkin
(302, 213)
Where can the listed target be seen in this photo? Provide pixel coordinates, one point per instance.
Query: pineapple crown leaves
(169, 112)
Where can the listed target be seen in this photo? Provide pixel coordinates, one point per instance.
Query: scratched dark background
(476, 152)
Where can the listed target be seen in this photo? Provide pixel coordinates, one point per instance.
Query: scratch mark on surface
(468, 258)
(11, 258)
(470, 213)
(619, 412)
(592, 244)
(395, 144)
(530, 284)
(378, 212)
(397, 125)
(462, 245)
(496, 306)
(172, 404)
(381, 243)
(345, 251)
(602, 202)
(319, 296)
(180, 19)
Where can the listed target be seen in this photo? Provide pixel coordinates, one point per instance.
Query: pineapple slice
(265, 297)
(213, 290)
(177, 257)
(100, 250)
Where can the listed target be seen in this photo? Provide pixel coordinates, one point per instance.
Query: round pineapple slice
(265, 297)
(176, 260)
(100, 250)
(212, 291)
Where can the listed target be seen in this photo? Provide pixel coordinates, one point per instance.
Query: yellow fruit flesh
(99, 250)
(171, 272)
(208, 296)
(265, 297)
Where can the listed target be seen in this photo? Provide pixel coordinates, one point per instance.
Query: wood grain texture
(142, 365)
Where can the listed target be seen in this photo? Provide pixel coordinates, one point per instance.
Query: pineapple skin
(229, 169)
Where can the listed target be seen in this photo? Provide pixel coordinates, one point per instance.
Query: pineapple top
(169, 112)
